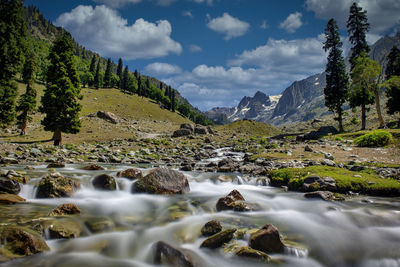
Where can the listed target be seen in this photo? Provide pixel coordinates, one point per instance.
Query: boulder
(10, 199)
(253, 169)
(211, 228)
(325, 130)
(8, 160)
(9, 186)
(324, 195)
(131, 174)
(65, 229)
(168, 255)
(233, 201)
(99, 224)
(328, 162)
(247, 252)
(93, 167)
(217, 240)
(57, 164)
(267, 239)
(54, 185)
(181, 132)
(21, 242)
(187, 126)
(107, 116)
(162, 181)
(104, 182)
(200, 130)
(65, 209)
(17, 177)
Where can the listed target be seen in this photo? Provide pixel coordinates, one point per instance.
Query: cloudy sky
(215, 51)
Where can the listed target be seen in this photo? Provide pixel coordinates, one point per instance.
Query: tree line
(367, 79)
(64, 73)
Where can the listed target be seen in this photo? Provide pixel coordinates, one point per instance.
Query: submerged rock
(56, 165)
(99, 224)
(104, 182)
(247, 252)
(65, 209)
(217, 240)
(9, 186)
(20, 241)
(167, 255)
(267, 240)
(324, 195)
(10, 199)
(93, 167)
(211, 228)
(54, 185)
(233, 201)
(131, 174)
(162, 181)
(63, 229)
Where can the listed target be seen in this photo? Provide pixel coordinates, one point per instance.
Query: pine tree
(107, 75)
(170, 96)
(393, 63)
(136, 74)
(27, 101)
(357, 27)
(365, 85)
(140, 88)
(337, 80)
(97, 82)
(120, 71)
(92, 69)
(173, 101)
(60, 100)
(12, 49)
(125, 79)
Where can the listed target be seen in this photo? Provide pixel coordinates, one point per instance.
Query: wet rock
(9, 186)
(162, 181)
(104, 182)
(253, 169)
(65, 209)
(211, 228)
(54, 185)
(248, 252)
(63, 229)
(35, 152)
(93, 167)
(21, 242)
(267, 240)
(324, 195)
(131, 174)
(56, 165)
(99, 224)
(168, 255)
(217, 240)
(233, 201)
(107, 116)
(17, 177)
(181, 132)
(187, 168)
(8, 160)
(225, 178)
(10, 199)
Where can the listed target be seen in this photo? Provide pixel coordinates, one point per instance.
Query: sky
(214, 52)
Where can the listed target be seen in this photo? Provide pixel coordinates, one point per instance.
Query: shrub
(338, 138)
(354, 121)
(377, 138)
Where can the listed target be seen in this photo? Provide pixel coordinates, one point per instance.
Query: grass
(139, 117)
(369, 183)
(253, 129)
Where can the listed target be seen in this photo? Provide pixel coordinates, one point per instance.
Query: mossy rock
(21, 241)
(217, 240)
(248, 252)
(65, 209)
(99, 224)
(64, 228)
(56, 186)
(10, 199)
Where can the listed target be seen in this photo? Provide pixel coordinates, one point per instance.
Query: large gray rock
(188, 126)
(200, 130)
(267, 239)
(54, 185)
(181, 132)
(132, 174)
(108, 116)
(162, 181)
(9, 186)
(217, 240)
(104, 182)
(168, 255)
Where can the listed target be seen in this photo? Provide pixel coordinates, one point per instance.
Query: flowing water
(349, 233)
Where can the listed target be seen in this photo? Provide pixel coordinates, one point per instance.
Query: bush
(377, 138)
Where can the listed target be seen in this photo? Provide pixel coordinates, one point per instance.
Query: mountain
(257, 108)
(301, 101)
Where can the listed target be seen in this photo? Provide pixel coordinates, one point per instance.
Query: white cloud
(264, 25)
(383, 15)
(162, 69)
(117, 3)
(187, 13)
(103, 30)
(292, 22)
(230, 26)
(195, 48)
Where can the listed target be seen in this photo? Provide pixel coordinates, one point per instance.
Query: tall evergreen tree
(364, 87)
(107, 75)
(92, 70)
(357, 27)
(12, 49)
(125, 78)
(97, 81)
(173, 101)
(120, 70)
(60, 101)
(393, 63)
(27, 101)
(140, 87)
(337, 80)
(136, 74)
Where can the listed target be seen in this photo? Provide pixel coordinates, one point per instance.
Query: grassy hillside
(139, 117)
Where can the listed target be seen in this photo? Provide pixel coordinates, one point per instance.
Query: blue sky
(215, 51)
